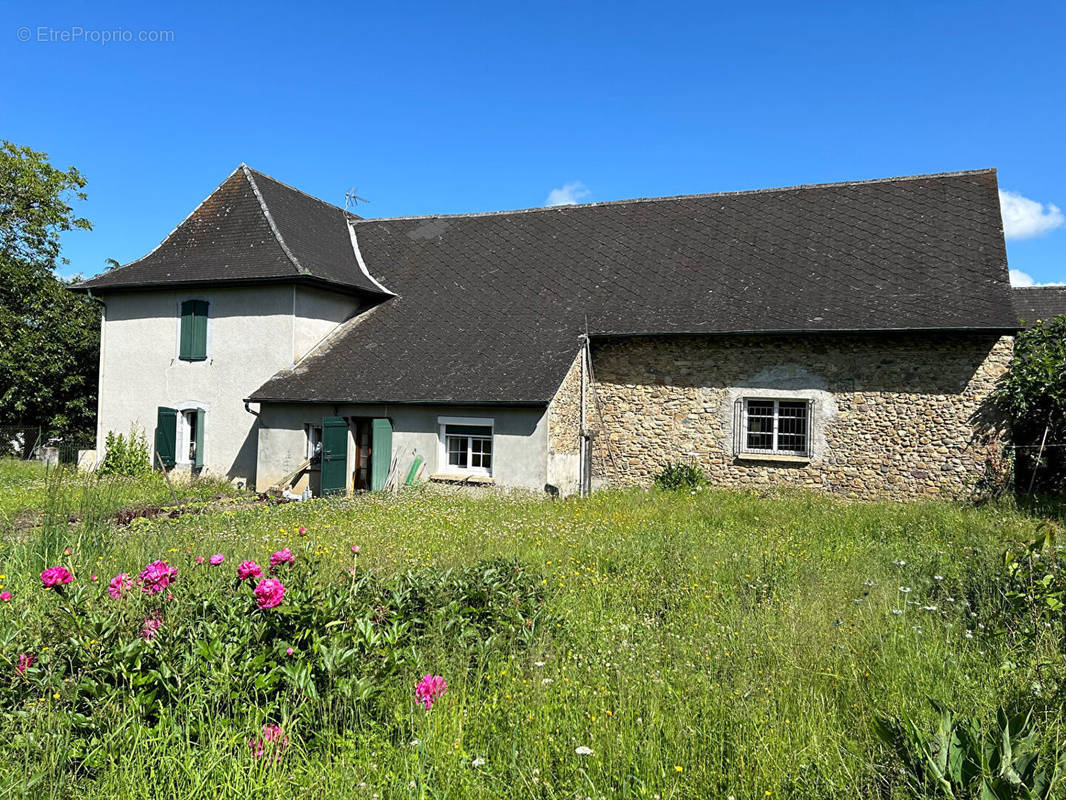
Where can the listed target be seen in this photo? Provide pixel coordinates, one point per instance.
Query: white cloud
(1022, 279)
(567, 194)
(1024, 218)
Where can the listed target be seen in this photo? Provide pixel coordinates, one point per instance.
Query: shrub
(298, 644)
(126, 456)
(680, 476)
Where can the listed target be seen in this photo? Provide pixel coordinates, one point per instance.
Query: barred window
(776, 427)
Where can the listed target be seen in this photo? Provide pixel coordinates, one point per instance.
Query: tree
(49, 336)
(1032, 396)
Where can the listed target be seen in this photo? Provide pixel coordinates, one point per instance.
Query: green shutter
(166, 435)
(334, 455)
(193, 345)
(380, 453)
(199, 460)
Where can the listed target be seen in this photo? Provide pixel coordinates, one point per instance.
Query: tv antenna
(351, 199)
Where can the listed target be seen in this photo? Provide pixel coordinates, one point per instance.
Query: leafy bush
(126, 456)
(680, 476)
(293, 643)
(1032, 397)
(966, 758)
(1034, 587)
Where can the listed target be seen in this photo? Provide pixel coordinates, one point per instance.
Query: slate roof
(491, 308)
(251, 229)
(1033, 304)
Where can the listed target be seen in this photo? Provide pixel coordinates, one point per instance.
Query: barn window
(774, 427)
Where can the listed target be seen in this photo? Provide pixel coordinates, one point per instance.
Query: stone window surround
(824, 411)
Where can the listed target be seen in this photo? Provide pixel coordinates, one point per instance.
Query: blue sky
(479, 106)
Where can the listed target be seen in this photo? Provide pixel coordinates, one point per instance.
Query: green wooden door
(166, 435)
(380, 453)
(334, 455)
(198, 461)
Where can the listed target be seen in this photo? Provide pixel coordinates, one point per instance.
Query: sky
(461, 107)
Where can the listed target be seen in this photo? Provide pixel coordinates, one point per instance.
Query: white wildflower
(478, 762)
(583, 751)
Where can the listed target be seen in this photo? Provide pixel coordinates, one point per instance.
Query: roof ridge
(343, 211)
(698, 196)
(300, 270)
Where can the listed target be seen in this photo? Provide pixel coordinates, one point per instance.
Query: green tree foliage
(1032, 396)
(49, 336)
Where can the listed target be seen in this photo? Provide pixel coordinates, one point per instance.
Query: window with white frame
(775, 427)
(466, 445)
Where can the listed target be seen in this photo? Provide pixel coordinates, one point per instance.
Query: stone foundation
(891, 412)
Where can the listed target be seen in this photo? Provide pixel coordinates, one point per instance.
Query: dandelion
(269, 593)
(583, 751)
(216, 559)
(119, 585)
(56, 576)
(248, 569)
(25, 661)
(156, 577)
(429, 689)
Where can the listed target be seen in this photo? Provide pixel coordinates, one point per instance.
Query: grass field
(674, 645)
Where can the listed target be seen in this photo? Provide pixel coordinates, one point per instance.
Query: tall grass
(706, 645)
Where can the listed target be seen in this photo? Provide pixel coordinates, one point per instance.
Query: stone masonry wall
(564, 414)
(891, 411)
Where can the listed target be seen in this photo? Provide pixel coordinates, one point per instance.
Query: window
(774, 427)
(193, 341)
(466, 446)
(179, 436)
(314, 443)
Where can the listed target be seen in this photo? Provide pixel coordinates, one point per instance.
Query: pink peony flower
(216, 559)
(268, 593)
(301, 531)
(283, 556)
(157, 576)
(5, 596)
(56, 576)
(288, 651)
(355, 549)
(273, 740)
(119, 585)
(429, 689)
(26, 660)
(151, 628)
(92, 577)
(248, 569)
(199, 559)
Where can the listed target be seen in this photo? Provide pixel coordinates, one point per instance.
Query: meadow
(628, 645)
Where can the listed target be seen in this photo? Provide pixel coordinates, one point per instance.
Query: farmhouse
(836, 336)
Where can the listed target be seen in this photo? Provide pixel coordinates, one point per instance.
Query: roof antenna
(351, 199)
